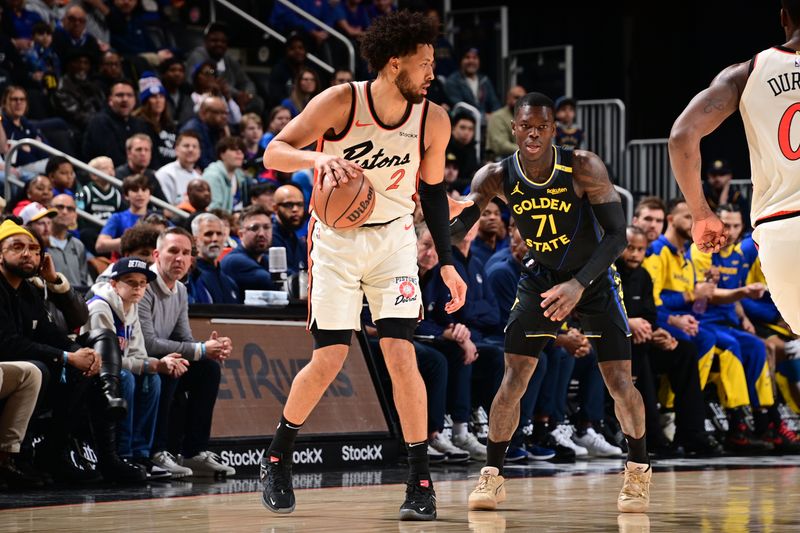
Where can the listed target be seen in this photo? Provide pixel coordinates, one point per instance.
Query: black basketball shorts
(600, 311)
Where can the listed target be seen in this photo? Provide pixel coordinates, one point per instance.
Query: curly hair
(396, 35)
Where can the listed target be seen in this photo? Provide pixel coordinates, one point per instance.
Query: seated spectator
(286, 20)
(288, 67)
(206, 82)
(153, 110)
(229, 185)
(215, 50)
(67, 251)
(656, 350)
(462, 145)
(110, 128)
(109, 72)
(443, 52)
(568, 132)
(96, 25)
(136, 190)
(20, 383)
(68, 370)
(198, 197)
(179, 99)
(44, 66)
(289, 226)
(40, 219)
(71, 36)
(649, 216)
(39, 190)
(341, 76)
(129, 35)
(139, 241)
(61, 174)
(174, 177)
(380, 8)
(164, 318)
(207, 283)
(48, 10)
(115, 307)
(210, 125)
(492, 233)
(305, 87)
(18, 22)
(718, 189)
(500, 140)
(248, 264)
(138, 159)
(17, 126)
(252, 130)
(470, 86)
(98, 198)
(76, 98)
(279, 117)
(263, 194)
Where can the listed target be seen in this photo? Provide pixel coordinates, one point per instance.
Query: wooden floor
(734, 501)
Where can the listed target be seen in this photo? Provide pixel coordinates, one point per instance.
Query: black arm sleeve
(433, 199)
(460, 225)
(612, 220)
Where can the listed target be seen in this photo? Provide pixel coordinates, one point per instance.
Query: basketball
(347, 206)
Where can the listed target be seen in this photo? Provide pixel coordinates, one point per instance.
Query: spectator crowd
(94, 312)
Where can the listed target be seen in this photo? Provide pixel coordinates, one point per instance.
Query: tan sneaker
(490, 491)
(635, 494)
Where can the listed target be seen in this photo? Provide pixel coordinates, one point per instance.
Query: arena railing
(515, 67)
(472, 110)
(10, 180)
(603, 122)
(647, 168)
(626, 194)
(276, 35)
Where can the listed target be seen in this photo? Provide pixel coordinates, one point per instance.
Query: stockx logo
(368, 453)
(308, 456)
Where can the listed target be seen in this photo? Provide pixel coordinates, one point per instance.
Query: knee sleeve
(330, 337)
(397, 328)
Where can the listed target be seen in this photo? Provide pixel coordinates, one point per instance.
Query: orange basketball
(347, 206)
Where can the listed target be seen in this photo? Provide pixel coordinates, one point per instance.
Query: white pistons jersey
(390, 156)
(770, 108)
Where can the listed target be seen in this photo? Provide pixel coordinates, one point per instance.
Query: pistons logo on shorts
(408, 292)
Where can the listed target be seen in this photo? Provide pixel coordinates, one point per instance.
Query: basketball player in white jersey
(766, 90)
(390, 132)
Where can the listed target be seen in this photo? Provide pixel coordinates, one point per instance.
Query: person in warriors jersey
(387, 130)
(766, 91)
(570, 216)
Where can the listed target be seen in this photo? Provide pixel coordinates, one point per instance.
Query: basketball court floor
(722, 494)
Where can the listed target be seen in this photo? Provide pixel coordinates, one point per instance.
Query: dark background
(654, 56)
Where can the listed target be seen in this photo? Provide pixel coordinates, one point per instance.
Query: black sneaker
(276, 475)
(420, 501)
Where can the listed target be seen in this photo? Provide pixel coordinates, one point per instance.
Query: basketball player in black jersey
(571, 218)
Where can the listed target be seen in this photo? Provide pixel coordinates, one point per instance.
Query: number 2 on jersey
(542, 219)
(396, 178)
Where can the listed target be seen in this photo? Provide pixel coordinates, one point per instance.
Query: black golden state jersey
(557, 225)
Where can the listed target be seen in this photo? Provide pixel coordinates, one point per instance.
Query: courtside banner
(267, 355)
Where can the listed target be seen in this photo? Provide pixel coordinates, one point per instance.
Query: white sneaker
(469, 443)
(434, 456)
(442, 444)
(563, 436)
(447, 428)
(167, 461)
(596, 444)
(479, 424)
(208, 464)
(667, 421)
(792, 349)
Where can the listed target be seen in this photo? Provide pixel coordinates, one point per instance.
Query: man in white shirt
(174, 177)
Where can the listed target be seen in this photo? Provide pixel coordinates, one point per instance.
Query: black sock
(496, 454)
(637, 450)
(774, 415)
(761, 421)
(418, 461)
(283, 442)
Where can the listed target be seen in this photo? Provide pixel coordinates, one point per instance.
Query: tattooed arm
(590, 178)
(703, 115)
(487, 184)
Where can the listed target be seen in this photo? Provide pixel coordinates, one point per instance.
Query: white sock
(459, 429)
